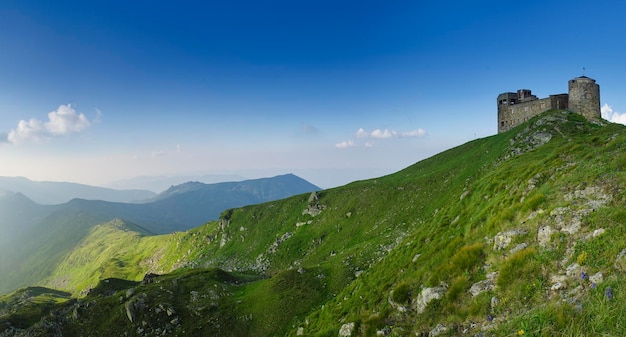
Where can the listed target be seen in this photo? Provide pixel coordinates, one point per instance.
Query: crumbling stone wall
(583, 97)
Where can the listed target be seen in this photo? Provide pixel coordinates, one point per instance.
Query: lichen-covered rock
(480, 287)
(503, 239)
(620, 261)
(426, 296)
(544, 235)
(597, 278)
(346, 330)
(518, 248)
(438, 330)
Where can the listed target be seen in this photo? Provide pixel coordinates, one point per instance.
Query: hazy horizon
(95, 93)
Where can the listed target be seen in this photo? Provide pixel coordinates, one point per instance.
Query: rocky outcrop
(427, 295)
(314, 207)
(503, 239)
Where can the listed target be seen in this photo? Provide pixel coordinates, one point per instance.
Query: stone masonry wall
(510, 116)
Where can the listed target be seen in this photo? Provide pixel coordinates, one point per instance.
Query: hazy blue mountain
(43, 235)
(17, 214)
(52, 193)
(161, 183)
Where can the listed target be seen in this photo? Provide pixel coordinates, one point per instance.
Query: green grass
(378, 243)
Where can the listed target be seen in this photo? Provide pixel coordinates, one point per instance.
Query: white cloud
(32, 130)
(379, 134)
(414, 133)
(65, 120)
(383, 134)
(61, 122)
(345, 144)
(361, 133)
(157, 154)
(387, 133)
(612, 116)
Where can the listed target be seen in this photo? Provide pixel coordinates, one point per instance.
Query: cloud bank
(612, 116)
(378, 134)
(63, 121)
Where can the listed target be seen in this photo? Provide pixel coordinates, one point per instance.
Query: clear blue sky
(334, 91)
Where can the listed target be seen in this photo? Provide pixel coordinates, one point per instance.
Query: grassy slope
(431, 224)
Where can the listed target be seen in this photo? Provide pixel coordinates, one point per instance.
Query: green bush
(519, 268)
(468, 257)
(401, 293)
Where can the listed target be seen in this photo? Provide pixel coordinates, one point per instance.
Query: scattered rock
(480, 287)
(573, 270)
(346, 330)
(597, 278)
(426, 296)
(544, 235)
(559, 282)
(558, 286)
(503, 240)
(494, 302)
(438, 330)
(300, 331)
(620, 261)
(598, 232)
(518, 248)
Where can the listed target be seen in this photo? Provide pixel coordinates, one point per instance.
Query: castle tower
(584, 97)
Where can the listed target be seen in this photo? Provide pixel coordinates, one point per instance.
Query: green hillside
(521, 233)
(35, 239)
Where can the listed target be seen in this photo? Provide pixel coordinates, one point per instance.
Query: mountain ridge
(55, 193)
(48, 233)
(520, 233)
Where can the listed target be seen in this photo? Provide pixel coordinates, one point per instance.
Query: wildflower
(520, 332)
(584, 276)
(608, 293)
(489, 318)
(593, 285)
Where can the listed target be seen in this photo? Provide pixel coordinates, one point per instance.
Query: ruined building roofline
(583, 97)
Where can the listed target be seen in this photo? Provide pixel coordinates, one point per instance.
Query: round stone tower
(584, 97)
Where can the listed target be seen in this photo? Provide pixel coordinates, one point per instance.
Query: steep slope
(519, 233)
(44, 235)
(101, 254)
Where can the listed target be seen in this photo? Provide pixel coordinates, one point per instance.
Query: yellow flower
(521, 332)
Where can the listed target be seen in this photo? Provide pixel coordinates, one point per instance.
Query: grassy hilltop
(519, 233)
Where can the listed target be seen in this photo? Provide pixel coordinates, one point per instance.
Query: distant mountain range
(159, 184)
(54, 193)
(42, 234)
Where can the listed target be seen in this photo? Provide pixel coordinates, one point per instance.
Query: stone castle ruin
(583, 97)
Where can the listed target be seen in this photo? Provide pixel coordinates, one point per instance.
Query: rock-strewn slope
(519, 233)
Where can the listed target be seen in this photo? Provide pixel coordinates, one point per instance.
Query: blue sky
(334, 91)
